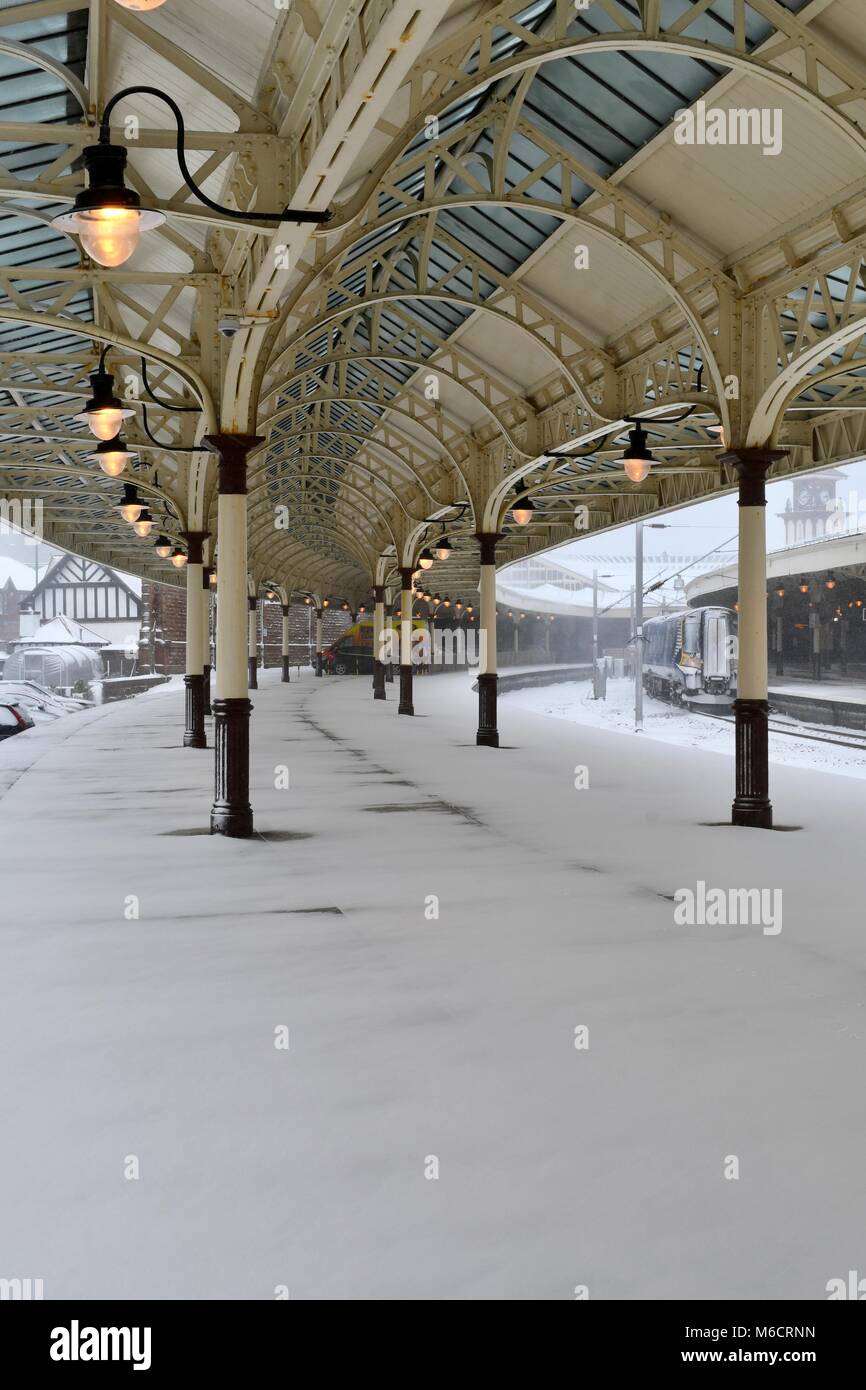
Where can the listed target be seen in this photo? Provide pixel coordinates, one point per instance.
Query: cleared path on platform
(413, 1036)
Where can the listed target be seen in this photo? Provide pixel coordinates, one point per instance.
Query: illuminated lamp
(104, 413)
(144, 525)
(130, 505)
(523, 506)
(638, 458)
(112, 456)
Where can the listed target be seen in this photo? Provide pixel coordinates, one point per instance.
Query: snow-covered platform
(147, 969)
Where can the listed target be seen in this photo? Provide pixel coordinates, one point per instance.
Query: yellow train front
(690, 657)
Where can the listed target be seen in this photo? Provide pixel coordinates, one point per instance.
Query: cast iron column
(194, 734)
(231, 813)
(752, 806)
(205, 636)
(378, 629)
(318, 641)
(252, 642)
(284, 648)
(488, 733)
(405, 706)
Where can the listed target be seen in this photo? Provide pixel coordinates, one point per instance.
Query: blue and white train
(691, 656)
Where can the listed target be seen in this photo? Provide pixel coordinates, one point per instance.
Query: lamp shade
(638, 458)
(130, 505)
(112, 456)
(107, 217)
(104, 413)
(144, 525)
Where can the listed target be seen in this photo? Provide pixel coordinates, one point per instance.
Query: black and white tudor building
(80, 622)
(88, 593)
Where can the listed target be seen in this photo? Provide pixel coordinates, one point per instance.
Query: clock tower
(810, 506)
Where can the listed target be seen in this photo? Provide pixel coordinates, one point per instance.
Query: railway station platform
(433, 924)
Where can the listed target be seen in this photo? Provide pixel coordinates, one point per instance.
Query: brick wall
(163, 629)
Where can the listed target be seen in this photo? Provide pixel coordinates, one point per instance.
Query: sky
(691, 532)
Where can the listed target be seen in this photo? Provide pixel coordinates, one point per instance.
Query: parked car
(13, 720)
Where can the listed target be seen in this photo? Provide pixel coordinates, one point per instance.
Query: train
(352, 652)
(690, 657)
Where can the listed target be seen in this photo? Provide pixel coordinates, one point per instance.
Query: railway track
(845, 739)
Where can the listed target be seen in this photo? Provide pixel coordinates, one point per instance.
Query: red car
(13, 720)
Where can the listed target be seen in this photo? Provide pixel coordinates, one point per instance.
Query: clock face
(825, 494)
(803, 496)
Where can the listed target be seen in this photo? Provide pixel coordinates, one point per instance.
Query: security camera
(229, 325)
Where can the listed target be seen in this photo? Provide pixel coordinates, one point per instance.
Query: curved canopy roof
(530, 242)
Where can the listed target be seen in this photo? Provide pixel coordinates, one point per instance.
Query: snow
(62, 630)
(412, 1036)
(38, 700)
(847, 693)
(572, 700)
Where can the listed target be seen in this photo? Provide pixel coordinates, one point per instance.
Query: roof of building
(64, 632)
(489, 144)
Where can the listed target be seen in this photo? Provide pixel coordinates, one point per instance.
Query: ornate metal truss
(461, 156)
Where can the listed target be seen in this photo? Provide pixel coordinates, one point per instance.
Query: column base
(194, 733)
(752, 806)
(318, 663)
(285, 675)
(206, 684)
(231, 813)
(487, 735)
(252, 673)
(379, 680)
(389, 674)
(406, 706)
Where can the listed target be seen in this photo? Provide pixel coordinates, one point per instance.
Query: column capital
(487, 542)
(751, 467)
(195, 545)
(232, 451)
(285, 608)
(406, 572)
(252, 602)
(378, 593)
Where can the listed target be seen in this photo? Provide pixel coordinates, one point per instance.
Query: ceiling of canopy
(445, 313)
